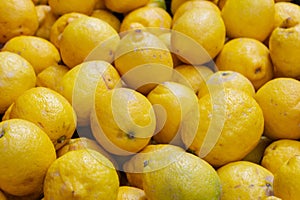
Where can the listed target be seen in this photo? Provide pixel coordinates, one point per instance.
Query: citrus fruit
(17, 18)
(286, 11)
(286, 179)
(2, 196)
(279, 101)
(60, 7)
(277, 153)
(249, 57)
(16, 76)
(108, 17)
(26, 154)
(48, 110)
(272, 198)
(241, 22)
(245, 180)
(38, 51)
(131, 193)
(124, 6)
(46, 20)
(122, 121)
(65, 178)
(82, 36)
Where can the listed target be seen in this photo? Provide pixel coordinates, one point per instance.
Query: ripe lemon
(48, 110)
(26, 154)
(82, 174)
(198, 35)
(108, 17)
(60, 7)
(245, 180)
(277, 153)
(131, 193)
(153, 17)
(284, 45)
(241, 22)
(226, 79)
(51, 77)
(272, 198)
(46, 20)
(122, 121)
(78, 86)
(38, 51)
(18, 17)
(249, 57)
(143, 60)
(286, 179)
(285, 12)
(85, 35)
(16, 76)
(215, 140)
(174, 105)
(279, 101)
(124, 6)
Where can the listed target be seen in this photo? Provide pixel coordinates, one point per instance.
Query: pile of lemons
(147, 99)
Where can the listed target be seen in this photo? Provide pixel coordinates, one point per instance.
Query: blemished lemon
(245, 180)
(286, 179)
(91, 34)
(279, 101)
(124, 6)
(16, 76)
(284, 45)
(240, 21)
(277, 153)
(174, 104)
(46, 20)
(49, 110)
(249, 57)
(60, 7)
(198, 35)
(99, 180)
(79, 84)
(26, 153)
(215, 140)
(18, 17)
(38, 51)
(143, 60)
(122, 121)
(285, 12)
(108, 17)
(131, 193)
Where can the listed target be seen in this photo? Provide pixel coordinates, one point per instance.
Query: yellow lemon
(65, 178)
(286, 179)
(215, 140)
(245, 180)
(241, 22)
(48, 110)
(277, 153)
(51, 77)
(122, 121)
(46, 20)
(16, 76)
(249, 57)
(143, 60)
(38, 51)
(131, 193)
(88, 35)
(198, 35)
(279, 101)
(18, 17)
(61, 7)
(272, 198)
(284, 45)
(124, 6)
(79, 84)
(26, 153)
(285, 12)
(108, 17)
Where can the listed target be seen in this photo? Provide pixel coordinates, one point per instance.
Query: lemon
(48, 110)
(93, 36)
(17, 18)
(245, 180)
(108, 17)
(26, 154)
(277, 153)
(241, 22)
(198, 35)
(65, 178)
(60, 7)
(122, 121)
(272, 198)
(46, 20)
(2, 196)
(124, 6)
(38, 51)
(16, 76)
(131, 193)
(249, 57)
(279, 101)
(286, 11)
